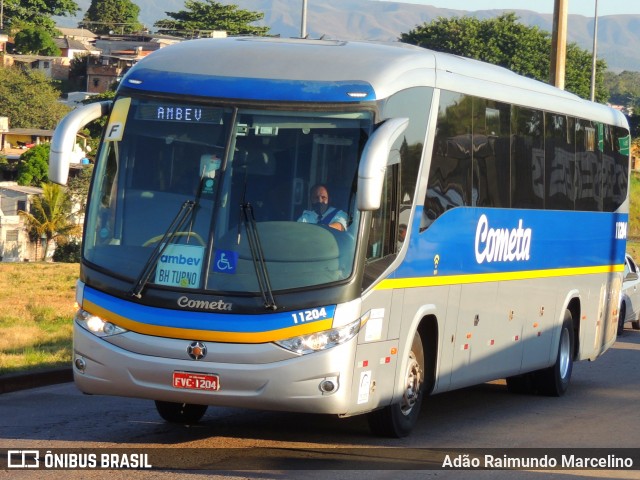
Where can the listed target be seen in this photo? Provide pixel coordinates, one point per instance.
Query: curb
(40, 378)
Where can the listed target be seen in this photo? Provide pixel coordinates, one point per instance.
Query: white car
(630, 302)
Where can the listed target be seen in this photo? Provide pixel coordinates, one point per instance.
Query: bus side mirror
(375, 159)
(64, 137)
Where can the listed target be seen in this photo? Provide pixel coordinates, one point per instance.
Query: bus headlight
(96, 325)
(315, 342)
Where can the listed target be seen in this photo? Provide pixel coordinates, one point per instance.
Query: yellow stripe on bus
(392, 283)
(209, 335)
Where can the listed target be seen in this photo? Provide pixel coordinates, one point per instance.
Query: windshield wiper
(257, 255)
(184, 213)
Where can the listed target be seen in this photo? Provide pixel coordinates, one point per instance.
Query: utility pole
(595, 55)
(559, 43)
(303, 23)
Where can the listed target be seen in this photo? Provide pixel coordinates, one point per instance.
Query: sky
(578, 7)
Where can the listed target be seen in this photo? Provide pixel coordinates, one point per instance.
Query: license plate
(196, 381)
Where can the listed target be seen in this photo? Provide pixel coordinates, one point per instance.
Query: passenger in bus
(321, 212)
(402, 234)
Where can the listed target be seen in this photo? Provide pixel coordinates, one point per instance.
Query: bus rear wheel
(554, 381)
(397, 420)
(621, 317)
(184, 413)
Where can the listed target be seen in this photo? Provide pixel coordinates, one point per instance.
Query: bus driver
(321, 212)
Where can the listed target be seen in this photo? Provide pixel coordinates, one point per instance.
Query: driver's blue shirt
(332, 215)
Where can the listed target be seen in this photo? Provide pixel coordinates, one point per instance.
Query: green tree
(38, 13)
(68, 252)
(203, 17)
(29, 99)
(505, 42)
(78, 188)
(624, 88)
(35, 41)
(117, 16)
(78, 71)
(33, 166)
(50, 216)
(94, 129)
(578, 74)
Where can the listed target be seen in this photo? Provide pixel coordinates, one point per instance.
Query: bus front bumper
(261, 376)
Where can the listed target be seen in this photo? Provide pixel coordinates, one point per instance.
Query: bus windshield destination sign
(179, 113)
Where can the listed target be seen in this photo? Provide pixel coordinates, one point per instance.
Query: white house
(14, 239)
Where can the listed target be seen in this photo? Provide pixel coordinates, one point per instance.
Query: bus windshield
(225, 199)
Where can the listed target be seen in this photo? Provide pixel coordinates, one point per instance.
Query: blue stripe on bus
(209, 321)
(249, 88)
(472, 241)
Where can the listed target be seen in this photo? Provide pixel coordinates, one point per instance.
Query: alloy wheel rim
(412, 386)
(565, 353)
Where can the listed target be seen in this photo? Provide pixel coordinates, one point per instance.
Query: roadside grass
(36, 307)
(633, 242)
(633, 248)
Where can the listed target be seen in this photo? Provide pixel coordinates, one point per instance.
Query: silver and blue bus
(485, 223)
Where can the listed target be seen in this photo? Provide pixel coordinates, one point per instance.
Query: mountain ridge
(618, 35)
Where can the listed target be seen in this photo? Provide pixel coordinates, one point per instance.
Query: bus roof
(264, 68)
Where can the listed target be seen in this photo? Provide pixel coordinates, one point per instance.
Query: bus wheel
(554, 381)
(185, 413)
(621, 316)
(398, 420)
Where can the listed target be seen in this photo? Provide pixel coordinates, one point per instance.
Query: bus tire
(621, 316)
(397, 420)
(183, 413)
(554, 381)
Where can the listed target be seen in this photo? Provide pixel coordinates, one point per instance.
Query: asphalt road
(600, 411)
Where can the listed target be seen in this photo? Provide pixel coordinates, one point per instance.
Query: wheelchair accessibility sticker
(225, 261)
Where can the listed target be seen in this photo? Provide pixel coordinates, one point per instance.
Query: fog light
(328, 385)
(80, 364)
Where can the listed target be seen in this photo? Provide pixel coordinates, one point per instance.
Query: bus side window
(377, 229)
(560, 165)
(449, 183)
(527, 158)
(616, 164)
(588, 166)
(383, 234)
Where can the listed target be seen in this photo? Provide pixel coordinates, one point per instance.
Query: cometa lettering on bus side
(501, 244)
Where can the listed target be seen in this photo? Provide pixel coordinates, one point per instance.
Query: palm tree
(50, 216)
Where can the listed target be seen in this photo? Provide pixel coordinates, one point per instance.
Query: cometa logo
(501, 244)
(186, 302)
